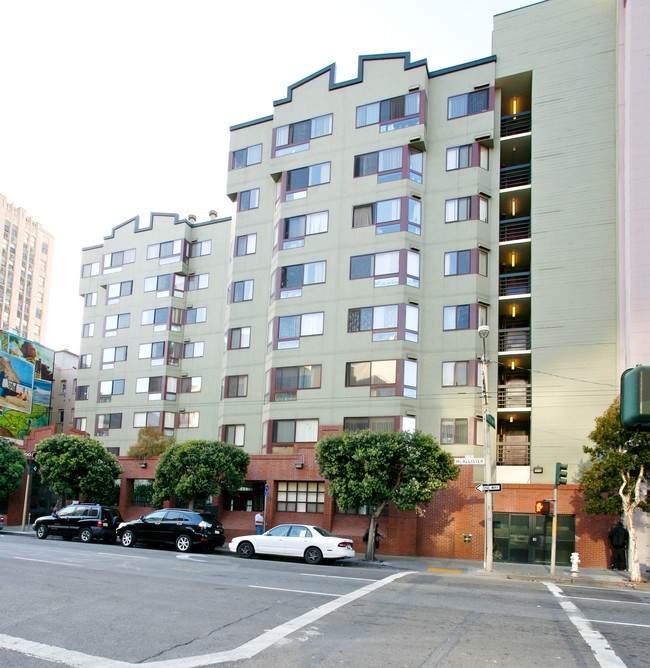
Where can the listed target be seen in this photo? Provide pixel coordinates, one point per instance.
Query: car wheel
(313, 555)
(245, 550)
(41, 531)
(86, 535)
(183, 543)
(128, 538)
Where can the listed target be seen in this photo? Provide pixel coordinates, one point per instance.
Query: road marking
(45, 561)
(295, 591)
(337, 577)
(246, 651)
(189, 557)
(602, 621)
(121, 556)
(605, 600)
(602, 650)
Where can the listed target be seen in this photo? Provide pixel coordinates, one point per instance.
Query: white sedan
(311, 543)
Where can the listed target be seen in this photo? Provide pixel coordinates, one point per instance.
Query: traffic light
(32, 465)
(635, 398)
(543, 507)
(560, 474)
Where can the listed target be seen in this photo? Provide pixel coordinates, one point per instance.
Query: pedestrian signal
(543, 507)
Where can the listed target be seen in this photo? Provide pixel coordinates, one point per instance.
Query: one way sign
(492, 487)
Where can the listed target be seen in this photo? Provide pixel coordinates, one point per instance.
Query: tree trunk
(632, 549)
(370, 545)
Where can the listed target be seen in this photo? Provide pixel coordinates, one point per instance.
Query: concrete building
(379, 222)
(25, 269)
(64, 390)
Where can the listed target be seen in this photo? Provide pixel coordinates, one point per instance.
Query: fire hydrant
(575, 560)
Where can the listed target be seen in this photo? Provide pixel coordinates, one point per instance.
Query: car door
(297, 540)
(273, 541)
(62, 520)
(151, 529)
(174, 525)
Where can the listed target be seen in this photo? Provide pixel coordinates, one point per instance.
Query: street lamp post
(483, 332)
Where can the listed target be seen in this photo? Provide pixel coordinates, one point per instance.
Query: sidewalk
(542, 572)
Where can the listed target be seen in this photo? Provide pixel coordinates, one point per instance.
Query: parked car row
(188, 530)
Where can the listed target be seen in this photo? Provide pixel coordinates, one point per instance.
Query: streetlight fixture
(484, 332)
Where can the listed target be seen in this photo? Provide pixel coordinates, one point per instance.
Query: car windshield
(282, 530)
(322, 532)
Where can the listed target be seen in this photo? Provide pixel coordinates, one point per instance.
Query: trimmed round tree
(12, 467)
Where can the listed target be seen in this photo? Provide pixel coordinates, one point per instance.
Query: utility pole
(483, 332)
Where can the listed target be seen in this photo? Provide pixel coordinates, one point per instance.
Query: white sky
(113, 109)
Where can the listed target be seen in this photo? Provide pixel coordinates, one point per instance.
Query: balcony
(514, 229)
(517, 338)
(514, 395)
(515, 176)
(513, 454)
(514, 284)
(516, 124)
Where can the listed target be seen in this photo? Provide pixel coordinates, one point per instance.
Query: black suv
(86, 521)
(183, 528)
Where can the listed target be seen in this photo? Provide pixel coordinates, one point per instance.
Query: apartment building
(378, 223)
(25, 269)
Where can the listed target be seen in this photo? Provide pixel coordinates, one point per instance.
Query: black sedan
(183, 528)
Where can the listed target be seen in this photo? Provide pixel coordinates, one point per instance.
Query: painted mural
(26, 376)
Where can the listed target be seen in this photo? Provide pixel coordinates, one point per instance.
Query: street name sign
(492, 487)
(469, 460)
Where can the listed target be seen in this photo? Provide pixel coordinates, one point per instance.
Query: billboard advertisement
(26, 376)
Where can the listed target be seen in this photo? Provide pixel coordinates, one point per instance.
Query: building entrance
(526, 538)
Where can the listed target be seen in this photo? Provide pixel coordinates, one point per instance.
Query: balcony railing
(517, 338)
(516, 124)
(514, 396)
(513, 454)
(515, 176)
(514, 284)
(514, 229)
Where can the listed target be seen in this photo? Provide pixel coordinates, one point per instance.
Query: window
(244, 157)
(200, 248)
(468, 155)
(187, 420)
(473, 261)
(108, 388)
(455, 374)
(193, 349)
(198, 282)
(163, 319)
(242, 291)
(114, 322)
(301, 497)
(391, 164)
(456, 317)
(389, 268)
(112, 355)
(90, 299)
(147, 419)
(234, 434)
(153, 386)
(298, 180)
(165, 285)
(80, 423)
(248, 199)
(166, 252)
(291, 328)
(245, 244)
(90, 269)
(115, 261)
(371, 423)
(116, 290)
(397, 112)
(82, 392)
(295, 276)
(294, 431)
(295, 137)
(106, 422)
(88, 330)
(390, 215)
(469, 103)
(239, 337)
(453, 431)
(154, 351)
(296, 228)
(85, 361)
(381, 377)
(196, 315)
(288, 380)
(235, 386)
(190, 384)
(466, 208)
(387, 323)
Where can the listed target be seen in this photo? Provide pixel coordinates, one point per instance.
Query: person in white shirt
(259, 523)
